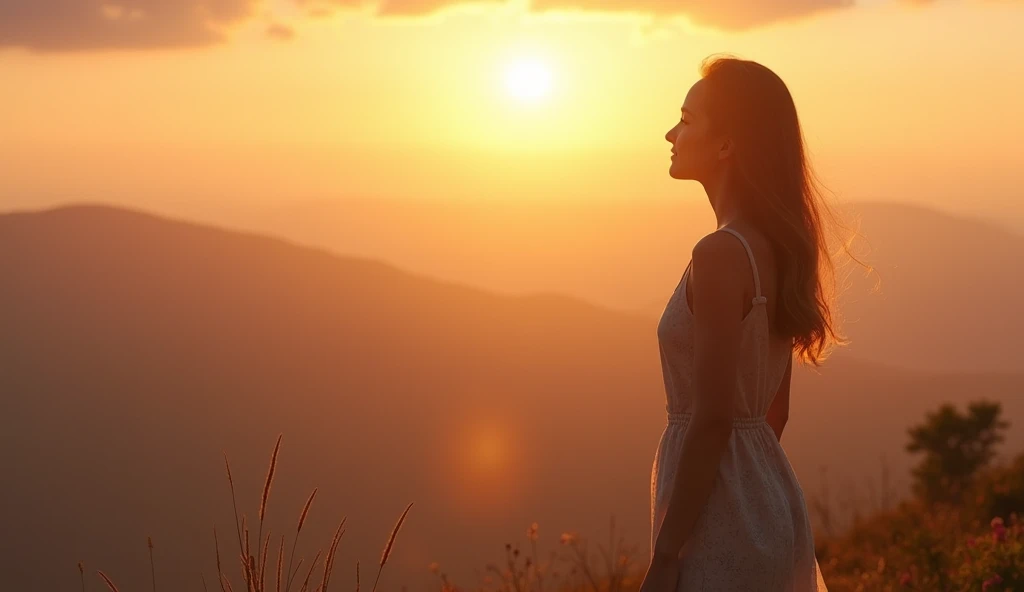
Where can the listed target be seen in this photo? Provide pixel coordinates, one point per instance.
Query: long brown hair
(753, 106)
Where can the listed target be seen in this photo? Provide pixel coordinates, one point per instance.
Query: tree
(955, 446)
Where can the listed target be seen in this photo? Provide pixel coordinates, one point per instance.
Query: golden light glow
(487, 448)
(482, 463)
(479, 106)
(528, 80)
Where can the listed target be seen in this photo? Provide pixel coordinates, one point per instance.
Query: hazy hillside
(487, 411)
(950, 291)
(949, 284)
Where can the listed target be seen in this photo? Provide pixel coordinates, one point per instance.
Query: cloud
(61, 25)
(57, 25)
(280, 32)
(386, 8)
(721, 14)
(319, 12)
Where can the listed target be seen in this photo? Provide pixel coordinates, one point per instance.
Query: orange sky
(908, 101)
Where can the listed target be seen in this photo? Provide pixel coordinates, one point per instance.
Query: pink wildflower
(998, 529)
(993, 581)
(531, 533)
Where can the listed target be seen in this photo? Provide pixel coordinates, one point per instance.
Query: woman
(727, 512)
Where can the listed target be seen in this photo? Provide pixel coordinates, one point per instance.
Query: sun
(528, 80)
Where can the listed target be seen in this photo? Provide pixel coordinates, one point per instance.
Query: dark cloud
(319, 12)
(388, 8)
(54, 25)
(280, 32)
(722, 14)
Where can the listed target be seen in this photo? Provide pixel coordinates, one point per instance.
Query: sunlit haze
(430, 244)
(900, 102)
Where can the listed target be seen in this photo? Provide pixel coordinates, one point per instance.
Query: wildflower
(993, 581)
(971, 542)
(905, 579)
(433, 567)
(531, 533)
(998, 529)
(567, 538)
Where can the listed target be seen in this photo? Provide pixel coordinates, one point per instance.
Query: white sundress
(754, 533)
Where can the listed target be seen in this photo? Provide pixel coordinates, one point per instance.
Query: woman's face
(696, 150)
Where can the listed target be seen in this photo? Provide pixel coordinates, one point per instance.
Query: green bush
(955, 447)
(937, 546)
(992, 561)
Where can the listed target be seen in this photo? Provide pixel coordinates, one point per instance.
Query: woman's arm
(719, 273)
(778, 413)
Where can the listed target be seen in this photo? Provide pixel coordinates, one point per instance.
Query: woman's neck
(724, 193)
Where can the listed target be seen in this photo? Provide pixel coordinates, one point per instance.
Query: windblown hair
(753, 106)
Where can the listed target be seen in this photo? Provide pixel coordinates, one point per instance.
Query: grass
(253, 568)
(913, 545)
(572, 566)
(872, 543)
(916, 545)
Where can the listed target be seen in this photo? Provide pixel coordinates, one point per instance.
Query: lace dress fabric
(754, 533)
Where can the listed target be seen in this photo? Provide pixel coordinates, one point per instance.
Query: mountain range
(137, 349)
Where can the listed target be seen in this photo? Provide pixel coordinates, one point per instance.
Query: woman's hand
(662, 575)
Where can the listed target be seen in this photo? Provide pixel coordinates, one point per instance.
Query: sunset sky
(239, 103)
(493, 351)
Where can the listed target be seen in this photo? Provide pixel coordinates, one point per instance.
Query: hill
(948, 283)
(136, 348)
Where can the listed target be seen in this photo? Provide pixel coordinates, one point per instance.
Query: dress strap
(758, 298)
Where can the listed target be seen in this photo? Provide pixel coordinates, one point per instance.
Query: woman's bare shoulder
(721, 258)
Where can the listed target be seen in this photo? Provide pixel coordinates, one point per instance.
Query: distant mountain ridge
(136, 349)
(934, 267)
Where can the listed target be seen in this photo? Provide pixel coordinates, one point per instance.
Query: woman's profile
(727, 512)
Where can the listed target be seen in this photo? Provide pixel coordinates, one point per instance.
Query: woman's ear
(726, 148)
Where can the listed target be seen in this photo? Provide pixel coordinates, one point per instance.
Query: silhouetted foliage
(961, 531)
(975, 542)
(955, 447)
